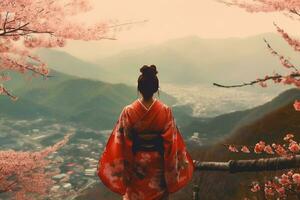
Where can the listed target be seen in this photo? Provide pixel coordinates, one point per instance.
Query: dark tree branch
(256, 165)
(6, 92)
(35, 31)
(5, 21)
(10, 186)
(294, 11)
(15, 19)
(5, 31)
(275, 77)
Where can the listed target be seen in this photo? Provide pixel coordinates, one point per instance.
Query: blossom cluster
(295, 43)
(297, 105)
(265, 5)
(279, 187)
(28, 24)
(289, 148)
(23, 173)
(290, 79)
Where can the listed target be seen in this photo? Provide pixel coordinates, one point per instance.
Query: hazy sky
(168, 19)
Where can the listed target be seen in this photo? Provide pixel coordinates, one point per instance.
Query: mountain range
(71, 65)
(193, 60)
(91, 103)
(187, 60)
(96, 104)
(216, 128)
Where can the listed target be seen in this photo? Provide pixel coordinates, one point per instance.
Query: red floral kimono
(145, 175)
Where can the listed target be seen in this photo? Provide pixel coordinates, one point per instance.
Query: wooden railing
(255, 165)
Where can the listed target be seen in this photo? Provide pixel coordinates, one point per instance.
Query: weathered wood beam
(255, 165)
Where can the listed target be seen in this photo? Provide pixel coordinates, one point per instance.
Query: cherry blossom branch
(289, 183)
(275, 77)
(128, 23)
(291, 41)
(264, 5)
(9, 187)
(285, 62)
(31, 69)
(23, 28)
(3, 90)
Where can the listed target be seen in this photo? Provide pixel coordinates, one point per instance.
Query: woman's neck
(147, 102)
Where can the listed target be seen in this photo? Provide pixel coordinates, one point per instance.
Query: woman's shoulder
(164, 108)
(163, 105)
(129, 107)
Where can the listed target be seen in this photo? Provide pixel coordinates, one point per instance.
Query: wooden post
(196, 191)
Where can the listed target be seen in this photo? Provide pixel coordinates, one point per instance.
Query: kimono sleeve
(179, 166)
(111, 169)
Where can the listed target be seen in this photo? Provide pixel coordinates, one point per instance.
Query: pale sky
(168, 19)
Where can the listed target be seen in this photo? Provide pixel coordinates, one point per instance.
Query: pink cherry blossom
(232, 148)
(288, 136)
(296, 178)
(255, 187)
(297, 105)
(284, 180)
(1, 89)
(294, 147)
(280, 150)
(292, 42)
(263, 84)
(290, 173)
(265, 5)
(245, 149)
(288, 80)
(259, 147)
(281, 191)
(269, 191)
(268, 149)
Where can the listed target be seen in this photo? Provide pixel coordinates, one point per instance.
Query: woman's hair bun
(148, 82)
(148, 70)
